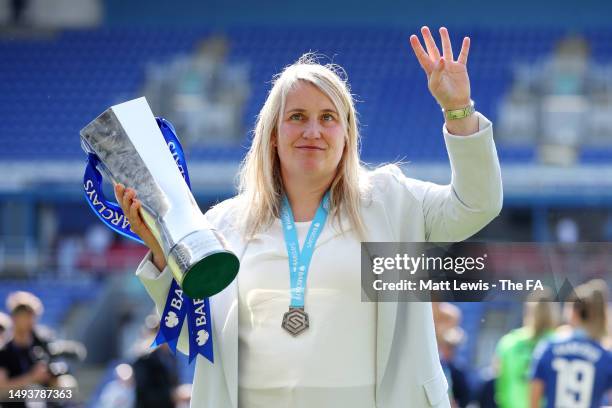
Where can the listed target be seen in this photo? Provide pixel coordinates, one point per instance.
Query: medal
(296, 320)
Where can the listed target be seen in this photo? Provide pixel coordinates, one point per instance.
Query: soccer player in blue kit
(575, 371)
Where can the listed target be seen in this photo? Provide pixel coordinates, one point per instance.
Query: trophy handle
(109, 212)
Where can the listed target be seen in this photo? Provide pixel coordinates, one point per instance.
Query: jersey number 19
(574, 383)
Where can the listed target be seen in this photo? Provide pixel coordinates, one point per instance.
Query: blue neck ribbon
(299, 259)
(178, 305)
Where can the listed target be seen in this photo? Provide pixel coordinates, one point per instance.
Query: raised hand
(126, 197)
(447, 79)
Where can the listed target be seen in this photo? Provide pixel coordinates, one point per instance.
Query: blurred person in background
(69, 248)
(119, 392)
(19, 362)
(445, 315)
(514, 351)
(22, 362)
(5, 328)
(484, 394)
(449, 335)
(448, 341)
(156, 375)
(575, 370)
(94, 254)
(303, 164)
(31, 357)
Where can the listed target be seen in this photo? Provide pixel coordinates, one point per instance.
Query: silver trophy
(133, 152)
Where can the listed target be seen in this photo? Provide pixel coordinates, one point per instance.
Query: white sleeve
(158, 285)
(474, 198)
(456, 211)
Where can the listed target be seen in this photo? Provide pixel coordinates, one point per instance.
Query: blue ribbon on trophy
(200, 329)
(110, 213)
(173, 317)
(178, 305)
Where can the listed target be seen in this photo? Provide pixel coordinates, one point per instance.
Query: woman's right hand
(126, 197)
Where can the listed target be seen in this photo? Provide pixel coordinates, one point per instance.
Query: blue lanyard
(299, 260)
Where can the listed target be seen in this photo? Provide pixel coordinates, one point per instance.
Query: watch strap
(459, 113)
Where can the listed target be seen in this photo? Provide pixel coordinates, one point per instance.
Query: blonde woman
(514, 350)
(575, 370)
(304, 165)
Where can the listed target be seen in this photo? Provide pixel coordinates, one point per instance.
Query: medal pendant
(295, 321)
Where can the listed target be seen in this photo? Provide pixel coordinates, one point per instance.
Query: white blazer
(400, 209)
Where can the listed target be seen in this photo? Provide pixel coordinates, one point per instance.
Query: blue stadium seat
(52, 87)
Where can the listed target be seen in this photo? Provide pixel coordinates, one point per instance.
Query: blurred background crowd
(74, 310)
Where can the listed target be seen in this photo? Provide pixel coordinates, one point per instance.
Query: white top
(332, 363)
(399, 209)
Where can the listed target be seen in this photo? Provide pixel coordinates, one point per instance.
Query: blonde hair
(260, 183)
(590, 304)
(541, 313)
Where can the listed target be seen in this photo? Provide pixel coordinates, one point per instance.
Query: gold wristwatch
(460, 113)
